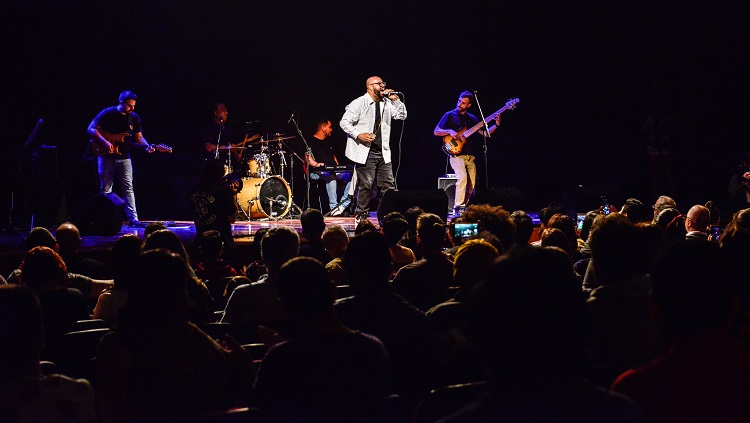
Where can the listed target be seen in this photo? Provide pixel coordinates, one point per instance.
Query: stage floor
(11, 249)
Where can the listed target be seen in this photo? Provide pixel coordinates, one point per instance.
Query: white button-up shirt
(359, 117)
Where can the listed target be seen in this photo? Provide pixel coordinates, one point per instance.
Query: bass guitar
(453, 146)
(118, 141)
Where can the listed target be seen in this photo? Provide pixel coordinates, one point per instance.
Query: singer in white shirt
(367, 123)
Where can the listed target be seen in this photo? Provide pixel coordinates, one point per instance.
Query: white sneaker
(336, 211)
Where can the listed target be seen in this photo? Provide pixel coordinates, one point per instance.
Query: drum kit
(260, 192)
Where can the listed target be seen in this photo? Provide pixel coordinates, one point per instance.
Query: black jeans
(374, 168)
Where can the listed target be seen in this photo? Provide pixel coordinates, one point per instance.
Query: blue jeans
(110, 169)
(332, 186)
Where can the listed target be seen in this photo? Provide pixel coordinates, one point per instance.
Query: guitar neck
(469, 132)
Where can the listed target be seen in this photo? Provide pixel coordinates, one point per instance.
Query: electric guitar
(118, 141)
(453, 146)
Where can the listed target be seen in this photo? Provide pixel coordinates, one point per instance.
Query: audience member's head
(430, 231)
(742, 218)
(368, 262)
(615, 248)
(153, 227)
(524, 226)
(636, 211)
(255, 247)
(335, 240)
(168, 240)
(713, 209)
(552, 209)
(364, 226)
(394, 226)
(68, 238)
(529, 318)
(588, 223)
(313, 224)
(411, 215)
(158, 292)
(304, 288)
(689, 296)
(472, 260)
(494, 219)
(663, 202)
(567, 225)
(698, 218)
(20, 331)
(554, 237)
(211, 245)
(124, 253)
(39, 237)
(277, 246)
(665, 216)
(42, 268)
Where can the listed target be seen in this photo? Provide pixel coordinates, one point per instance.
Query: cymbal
(223, 148)
(280, 138)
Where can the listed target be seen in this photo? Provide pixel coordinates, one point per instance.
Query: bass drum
(264, 197)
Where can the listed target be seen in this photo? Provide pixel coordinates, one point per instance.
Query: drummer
(216, 131)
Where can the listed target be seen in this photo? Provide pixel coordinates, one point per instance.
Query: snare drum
(259, 166)
(264, 197)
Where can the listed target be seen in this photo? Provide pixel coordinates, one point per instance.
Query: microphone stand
(218, 139)
(307, 168)
(485, 134)
(294, 206)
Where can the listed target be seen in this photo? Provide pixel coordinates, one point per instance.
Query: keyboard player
(321, 156)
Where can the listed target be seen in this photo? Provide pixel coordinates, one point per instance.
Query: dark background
(587, 73)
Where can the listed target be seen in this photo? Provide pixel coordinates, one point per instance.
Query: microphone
(393, 92)
(291, 117)
(281, 200)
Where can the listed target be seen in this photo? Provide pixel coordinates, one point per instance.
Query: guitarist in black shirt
(114, 132)
(452, 126)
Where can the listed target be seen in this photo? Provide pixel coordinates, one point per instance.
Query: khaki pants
(466, 178)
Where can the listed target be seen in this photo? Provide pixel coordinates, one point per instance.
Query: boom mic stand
(308, 150)
(485, 134)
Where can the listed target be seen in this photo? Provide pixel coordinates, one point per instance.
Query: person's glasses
(381, 83)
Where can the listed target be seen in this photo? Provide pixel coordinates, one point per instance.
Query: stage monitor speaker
(100, 215)
(448, 184)
(430, 200)
(509, 197)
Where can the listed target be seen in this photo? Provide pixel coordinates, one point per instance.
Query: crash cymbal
(224, 148)
(280, 138)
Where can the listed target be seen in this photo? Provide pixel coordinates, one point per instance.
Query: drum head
(274, 197)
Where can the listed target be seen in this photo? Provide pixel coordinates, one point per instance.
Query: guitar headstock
(511, 104)
(163, 148)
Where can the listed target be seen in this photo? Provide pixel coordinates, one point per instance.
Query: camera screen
(465, 230)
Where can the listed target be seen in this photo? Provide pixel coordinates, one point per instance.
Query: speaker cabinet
(430, 200)
(100, 215)
(509, 197)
